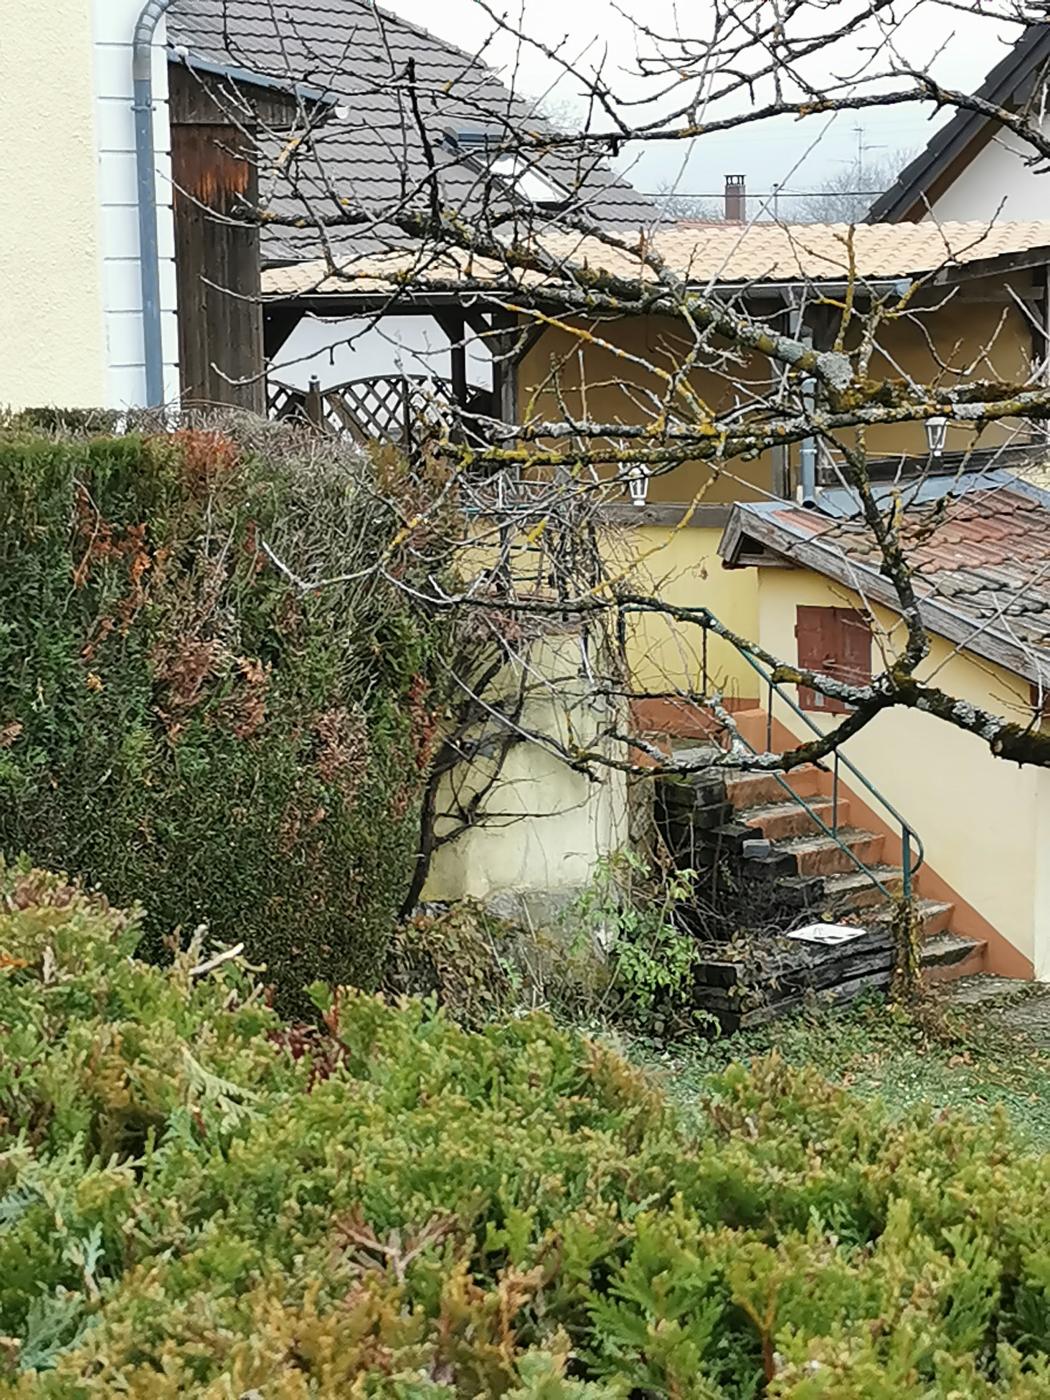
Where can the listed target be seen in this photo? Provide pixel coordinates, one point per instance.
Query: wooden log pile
(751, 984)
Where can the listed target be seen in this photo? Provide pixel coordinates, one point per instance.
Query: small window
(527, 182)
(836, 642)
(513, 170)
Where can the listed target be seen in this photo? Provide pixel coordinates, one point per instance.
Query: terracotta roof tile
(729, 254)
(985, 555)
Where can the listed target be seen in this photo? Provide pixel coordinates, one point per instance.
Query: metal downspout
(146, 181)
(807, 450)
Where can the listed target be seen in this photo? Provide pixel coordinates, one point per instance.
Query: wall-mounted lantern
(638, 485)
(936, 434)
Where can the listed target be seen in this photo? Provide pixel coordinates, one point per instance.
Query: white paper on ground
(827, 933)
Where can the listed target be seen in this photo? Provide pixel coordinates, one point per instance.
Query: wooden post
(505, 366)
(459, 362)
(313, 405)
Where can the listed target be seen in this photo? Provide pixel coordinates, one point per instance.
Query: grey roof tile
(362, 54)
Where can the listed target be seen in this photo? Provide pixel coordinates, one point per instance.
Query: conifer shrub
(186, 726)
(198, 1198)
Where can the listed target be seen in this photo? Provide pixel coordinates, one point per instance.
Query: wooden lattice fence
(385, 408)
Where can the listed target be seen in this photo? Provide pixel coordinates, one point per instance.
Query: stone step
(854, 890)
(823, 855)
(777, 820)
(935, 916)
(751, 789)
(988, 990)
(948, 957)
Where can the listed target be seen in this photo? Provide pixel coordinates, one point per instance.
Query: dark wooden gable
(217, 263)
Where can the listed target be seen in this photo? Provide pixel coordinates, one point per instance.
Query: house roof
(1007, 85)
(716, 255)
(362, 54)
(979, 546)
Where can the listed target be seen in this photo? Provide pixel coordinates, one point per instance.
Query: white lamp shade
(936, 434)
(638, 485)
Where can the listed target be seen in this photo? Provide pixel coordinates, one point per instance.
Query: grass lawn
(977, 1060)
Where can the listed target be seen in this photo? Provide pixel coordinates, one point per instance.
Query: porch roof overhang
(780, 534)
(770, 263)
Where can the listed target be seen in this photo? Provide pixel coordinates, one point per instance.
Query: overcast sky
(959, 48)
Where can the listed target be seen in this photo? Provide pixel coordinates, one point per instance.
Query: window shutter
(837, 642)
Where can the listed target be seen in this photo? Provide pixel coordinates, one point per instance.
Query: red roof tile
(985, 556)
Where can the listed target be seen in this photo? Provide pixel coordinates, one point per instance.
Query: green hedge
(183, 725)
(196, 1199)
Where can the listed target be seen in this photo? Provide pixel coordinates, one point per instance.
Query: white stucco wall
(51, 345)
(125, 385)
(997, 183)
(544, 827)
(338, 350)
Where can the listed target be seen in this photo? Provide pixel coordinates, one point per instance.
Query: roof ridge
(1032, 44)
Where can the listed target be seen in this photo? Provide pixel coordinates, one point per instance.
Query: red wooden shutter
(837, 642)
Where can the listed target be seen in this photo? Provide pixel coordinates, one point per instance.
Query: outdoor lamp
(936, 432)
(638, 485)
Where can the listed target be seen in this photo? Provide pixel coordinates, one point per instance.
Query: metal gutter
(146, 197)
(247, 76)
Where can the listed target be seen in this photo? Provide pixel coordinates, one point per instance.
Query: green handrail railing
(910, 839)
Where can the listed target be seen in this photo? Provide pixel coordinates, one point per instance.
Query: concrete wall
(544, 826)
(51, 349)
(985, 824)
(997, 184)
(125, 384)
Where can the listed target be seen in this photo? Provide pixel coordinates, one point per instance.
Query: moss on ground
(977, 1060)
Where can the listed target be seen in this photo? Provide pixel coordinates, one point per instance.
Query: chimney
(736, 200)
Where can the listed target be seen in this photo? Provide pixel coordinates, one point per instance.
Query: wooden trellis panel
(384, 408)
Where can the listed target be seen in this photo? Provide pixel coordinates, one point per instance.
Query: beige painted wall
(977, 339)
(607, 371)
(980, 333)
(545, 826)
(985, 824)
(51, 347)
(683, 567)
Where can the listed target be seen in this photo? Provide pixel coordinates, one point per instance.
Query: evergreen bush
(184, 725)
(197, 1198)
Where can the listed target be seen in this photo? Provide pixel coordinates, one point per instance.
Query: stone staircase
(711, 818)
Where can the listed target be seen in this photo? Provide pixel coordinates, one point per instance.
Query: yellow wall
(986, 337)
(961, 330)
(545, 826)
(611, 384)
(983, 822)
(683, 567)
(51, 348)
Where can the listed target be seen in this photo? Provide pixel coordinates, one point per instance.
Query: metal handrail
(909, 836)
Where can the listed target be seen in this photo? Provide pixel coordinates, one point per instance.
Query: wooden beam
(459, 370)
(218, 270)
(674, 514)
